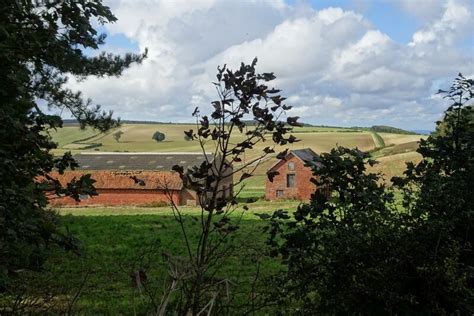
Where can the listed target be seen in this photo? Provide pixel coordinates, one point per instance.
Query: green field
(115, 242)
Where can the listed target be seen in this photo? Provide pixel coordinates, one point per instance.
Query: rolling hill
(392, 150)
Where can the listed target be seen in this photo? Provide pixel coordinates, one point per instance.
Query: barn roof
(306, 154)
(118, 170)
(147, 180)
(137, 161)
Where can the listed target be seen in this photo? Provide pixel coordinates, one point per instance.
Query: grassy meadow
(117, 241)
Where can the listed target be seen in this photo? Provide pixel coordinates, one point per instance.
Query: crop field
(397, 139)
(394, 165)
(138, 138)
(397, 149)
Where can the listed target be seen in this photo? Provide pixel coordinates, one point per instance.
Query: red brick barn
(294, 178)
(114, 185)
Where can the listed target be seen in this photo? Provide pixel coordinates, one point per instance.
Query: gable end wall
(303, 188)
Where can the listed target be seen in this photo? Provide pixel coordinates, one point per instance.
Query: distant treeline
(389, 129)
(375, 128)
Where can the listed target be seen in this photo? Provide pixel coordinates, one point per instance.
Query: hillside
(137, 137)
(392, 150)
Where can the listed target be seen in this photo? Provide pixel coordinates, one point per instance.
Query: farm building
(113, 173)
(294, 178)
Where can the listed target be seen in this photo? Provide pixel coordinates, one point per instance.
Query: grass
(396, 149)
(253, 187)
(115, 242)
(397, 139)
(70, 134)
(260, 206)
(378, 140)
(394, 165)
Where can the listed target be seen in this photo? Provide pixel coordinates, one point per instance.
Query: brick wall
(119, 197)
(303, 186)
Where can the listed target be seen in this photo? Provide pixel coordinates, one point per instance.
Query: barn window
(224, 191)
(291, 166)
(83, 196)
(279, 193)
(290, 180)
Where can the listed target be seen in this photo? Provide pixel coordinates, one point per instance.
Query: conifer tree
(41, 43)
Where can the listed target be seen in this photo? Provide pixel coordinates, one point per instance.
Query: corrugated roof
(137, 161)
(305, 154)
(122, 179)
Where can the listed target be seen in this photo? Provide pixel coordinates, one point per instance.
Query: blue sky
(386, 15)
(352, 62)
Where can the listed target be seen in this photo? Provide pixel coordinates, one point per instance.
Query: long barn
(113, 173)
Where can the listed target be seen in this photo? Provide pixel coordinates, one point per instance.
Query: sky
(339, 62)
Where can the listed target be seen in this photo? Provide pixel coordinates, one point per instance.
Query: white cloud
(425, 10)
(453, 24)
(333, 64)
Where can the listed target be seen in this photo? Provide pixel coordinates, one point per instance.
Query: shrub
(158, 136)
(360, 252)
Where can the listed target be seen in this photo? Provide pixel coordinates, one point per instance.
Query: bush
(359, 252)
(158, 136)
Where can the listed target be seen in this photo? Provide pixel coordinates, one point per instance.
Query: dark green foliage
(158, 136)
(378, 140)
(389, 129)
(337, 247)
(241, 93)
(359, 252)
(440, 190)
(41, 41)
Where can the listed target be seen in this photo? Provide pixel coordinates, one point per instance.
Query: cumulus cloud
(335, 66)
(453, 24)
